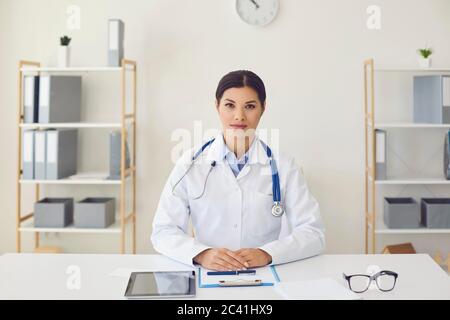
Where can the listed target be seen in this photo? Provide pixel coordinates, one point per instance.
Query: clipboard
(267, 276)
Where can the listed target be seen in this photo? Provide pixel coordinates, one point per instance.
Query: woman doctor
(237, 194)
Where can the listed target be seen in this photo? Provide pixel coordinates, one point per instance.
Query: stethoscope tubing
(276, 191)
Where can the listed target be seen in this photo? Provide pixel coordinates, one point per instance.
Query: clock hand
(256, 5)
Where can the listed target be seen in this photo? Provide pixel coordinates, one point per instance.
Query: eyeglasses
(359, 283)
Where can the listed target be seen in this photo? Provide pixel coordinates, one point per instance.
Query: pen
(232, 273)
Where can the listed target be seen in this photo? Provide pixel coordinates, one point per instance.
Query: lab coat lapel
(217, 153)
(245, 170)
(256, 156)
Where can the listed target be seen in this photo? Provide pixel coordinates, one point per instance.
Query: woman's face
(240, 111)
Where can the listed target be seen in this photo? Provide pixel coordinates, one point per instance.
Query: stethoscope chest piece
(277, 209)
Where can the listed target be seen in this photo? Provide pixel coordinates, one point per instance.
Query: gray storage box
(436, 212)
(95, 213)
(53, 212)
(401, 213)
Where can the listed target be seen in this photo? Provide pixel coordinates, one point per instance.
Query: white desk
(43, 276)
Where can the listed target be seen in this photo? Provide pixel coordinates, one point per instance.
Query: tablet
(173, 284)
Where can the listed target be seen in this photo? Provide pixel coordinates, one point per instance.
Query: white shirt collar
(218, 150)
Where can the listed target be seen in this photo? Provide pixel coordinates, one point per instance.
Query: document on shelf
(89, 176)
(319, 289)
(267, 275)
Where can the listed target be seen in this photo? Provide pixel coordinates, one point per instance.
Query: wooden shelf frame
(24, 223)
(371, 225)
(369, 134)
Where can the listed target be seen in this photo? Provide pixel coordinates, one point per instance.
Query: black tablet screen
(160, 283)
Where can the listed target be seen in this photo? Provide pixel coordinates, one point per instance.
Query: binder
(28, 155)
(446, 91)
(432, 99)
(380, 154)
(31, 99)
(116, 31)
(59, 99)
(61, 153)
(447, 156)
(40, 154)
(115, 153)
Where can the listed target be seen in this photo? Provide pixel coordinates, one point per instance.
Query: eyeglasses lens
(359, 283)
(386, 282)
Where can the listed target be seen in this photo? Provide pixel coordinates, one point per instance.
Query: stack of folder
(51, 99)
(49, 154)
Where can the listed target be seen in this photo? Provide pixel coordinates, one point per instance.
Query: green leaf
(425, 52)
(65, 40)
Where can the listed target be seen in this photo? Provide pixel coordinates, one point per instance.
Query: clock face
(257, 12)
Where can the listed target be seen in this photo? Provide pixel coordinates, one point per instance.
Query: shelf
(123, 72)
(422, 230)
(71, 69)
(70, 125)
(412, 125)
(380, 229)
(28, 226)
(80, 178)
(415, 69)
(418, 181)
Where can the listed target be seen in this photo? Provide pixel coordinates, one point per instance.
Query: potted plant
(64, 52)
(424, 59)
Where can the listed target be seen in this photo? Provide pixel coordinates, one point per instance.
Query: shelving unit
(374, 227)
(24, 223)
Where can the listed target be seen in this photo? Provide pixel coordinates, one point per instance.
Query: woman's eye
(229, 105)
(250, 106)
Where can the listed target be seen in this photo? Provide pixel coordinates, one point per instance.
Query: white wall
(310, 58)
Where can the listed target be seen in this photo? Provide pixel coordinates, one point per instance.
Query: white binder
(446, 91)
(40, 155)
(61, 153)
(59, 99)
(30, 98)
(115, 42)
(28, 155)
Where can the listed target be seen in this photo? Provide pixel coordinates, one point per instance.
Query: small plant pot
(63, 56)
(425, 62)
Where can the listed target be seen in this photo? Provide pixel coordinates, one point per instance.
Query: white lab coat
(235, 212)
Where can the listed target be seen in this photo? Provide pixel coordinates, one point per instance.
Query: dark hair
(239, 79)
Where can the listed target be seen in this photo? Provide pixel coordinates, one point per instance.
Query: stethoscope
(277, 208)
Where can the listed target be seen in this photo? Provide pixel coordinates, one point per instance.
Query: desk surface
(46, 276)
